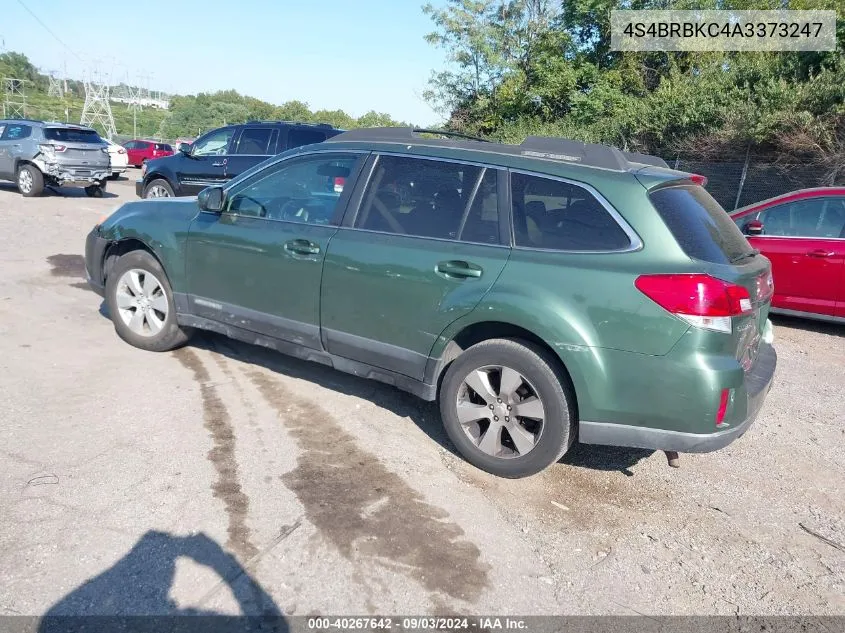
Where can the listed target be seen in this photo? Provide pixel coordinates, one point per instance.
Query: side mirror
(184, 148)
(754, 227)
(211, 199)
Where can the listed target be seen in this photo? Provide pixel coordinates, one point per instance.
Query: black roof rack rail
(550, 148)
(398, 134)
(304, 123)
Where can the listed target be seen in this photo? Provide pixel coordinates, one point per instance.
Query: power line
(50, 31)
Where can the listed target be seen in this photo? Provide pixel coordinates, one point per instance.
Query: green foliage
(524, 67)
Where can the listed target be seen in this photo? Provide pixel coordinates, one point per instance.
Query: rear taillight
(698, 179)
(700, 300)
(121, 151)
(49, 147)
(765, 286)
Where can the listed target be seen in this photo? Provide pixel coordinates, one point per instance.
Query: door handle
(821, 253)
(456, 268)
(220, 164)
(302, 247)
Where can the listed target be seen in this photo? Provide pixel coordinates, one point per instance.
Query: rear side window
(431, 198)
(255, 140)
(68, 135)
(700, 225)
(556, 215)
(300, 136)
(15, 132)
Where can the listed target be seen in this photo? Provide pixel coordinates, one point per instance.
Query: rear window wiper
(748, 255)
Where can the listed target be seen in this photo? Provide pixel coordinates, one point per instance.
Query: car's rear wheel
(158, 188)
(96, 191)
(30, 181)
(507, 408)
(141, 306)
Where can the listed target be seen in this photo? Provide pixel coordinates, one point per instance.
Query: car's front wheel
(507, 407)
(30, 181)
(140, 303)
(158, 188)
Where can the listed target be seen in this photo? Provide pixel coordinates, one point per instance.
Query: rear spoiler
(645, 159)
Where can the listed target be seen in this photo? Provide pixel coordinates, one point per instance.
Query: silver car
(38, 154)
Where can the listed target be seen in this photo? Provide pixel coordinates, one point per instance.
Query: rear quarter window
(699, 224)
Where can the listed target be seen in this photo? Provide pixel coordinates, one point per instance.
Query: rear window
(67, 135)
(700, 225)
(298, 137)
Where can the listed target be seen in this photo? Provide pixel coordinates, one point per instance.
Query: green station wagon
(542, 293)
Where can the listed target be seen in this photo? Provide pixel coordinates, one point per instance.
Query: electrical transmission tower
(97, 108)
(14, 98)
(56, 86)
(135, 105)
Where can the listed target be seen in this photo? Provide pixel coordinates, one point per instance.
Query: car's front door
(206, 164)
(253, 145)
(804, 241)
(258, 264)
(424, 247)
(6, 161)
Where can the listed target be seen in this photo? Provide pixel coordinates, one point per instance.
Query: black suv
(222, 154)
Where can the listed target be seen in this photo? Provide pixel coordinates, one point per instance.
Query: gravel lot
(225, 478)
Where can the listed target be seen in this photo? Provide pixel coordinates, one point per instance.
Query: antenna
(97, 108)
(14, 98)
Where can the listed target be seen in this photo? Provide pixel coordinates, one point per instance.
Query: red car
(141, 151)
(803, 234)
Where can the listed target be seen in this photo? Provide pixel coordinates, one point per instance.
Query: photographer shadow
(134, 594)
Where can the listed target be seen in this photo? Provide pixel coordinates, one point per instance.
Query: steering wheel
(294, 211)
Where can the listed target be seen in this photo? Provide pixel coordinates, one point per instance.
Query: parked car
(141, 151)
(803, 234)
(118, 157)
(540, 292)
(37, 154)
(223, 154)
(183, 141)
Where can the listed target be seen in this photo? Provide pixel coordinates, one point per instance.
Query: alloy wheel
(141, 302)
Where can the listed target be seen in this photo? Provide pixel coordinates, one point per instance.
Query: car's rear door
(253, 145)
(803, 239)
(206, 164)
(425, 244)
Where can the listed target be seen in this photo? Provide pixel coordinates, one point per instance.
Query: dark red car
(140, 151)
(803, 234)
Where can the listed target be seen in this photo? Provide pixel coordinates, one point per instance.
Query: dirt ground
(224, 478)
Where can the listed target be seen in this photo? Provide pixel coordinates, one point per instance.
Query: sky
(355, 56)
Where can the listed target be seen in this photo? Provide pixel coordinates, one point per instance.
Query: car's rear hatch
(719, 249)
(77, 147)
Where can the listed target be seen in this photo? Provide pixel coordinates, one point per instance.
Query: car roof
(50, 124)
(798, 194)
(533, 148)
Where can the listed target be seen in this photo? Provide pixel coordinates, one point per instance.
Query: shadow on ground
(808, 325)
(61, 192)
(424, 414)
(139, 584)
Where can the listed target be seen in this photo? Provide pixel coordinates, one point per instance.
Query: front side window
(215, 144)
(429, 198)
(819, 217)
(557, 215)
(254, 140)
(304, 190)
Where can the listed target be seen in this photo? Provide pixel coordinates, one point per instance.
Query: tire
(95, 191)
(150, 332)
(30, 181)
(114, 176)
(158, 185)
(538, 376)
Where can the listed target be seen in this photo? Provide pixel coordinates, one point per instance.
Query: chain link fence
(738, 183)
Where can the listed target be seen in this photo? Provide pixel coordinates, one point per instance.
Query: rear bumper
(758, 382)
(95, 248)
(67, 174)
